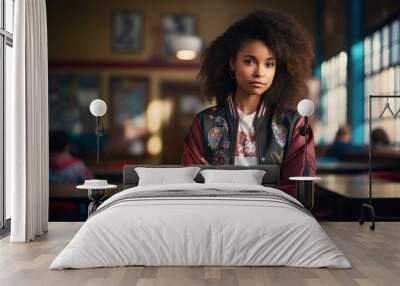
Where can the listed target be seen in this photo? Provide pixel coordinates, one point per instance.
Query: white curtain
(27, 124)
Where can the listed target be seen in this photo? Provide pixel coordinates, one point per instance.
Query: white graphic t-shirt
(245, 151)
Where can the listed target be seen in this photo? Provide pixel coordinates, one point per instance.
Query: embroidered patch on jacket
(216, 133)
(280, 133)
(221, 122)
(226, 144)
(214, 137)
(220, 158)
(210, 113)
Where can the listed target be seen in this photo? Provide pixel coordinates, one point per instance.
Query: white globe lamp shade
(305, 107)
(186, 47)
(98, 107)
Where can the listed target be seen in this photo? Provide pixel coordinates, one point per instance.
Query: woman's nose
(260, 71)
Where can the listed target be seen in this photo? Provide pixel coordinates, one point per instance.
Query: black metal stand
(99, 132)
(305, 193)
(96, 195)
(305, 188)
(369, 206)
(304, 130)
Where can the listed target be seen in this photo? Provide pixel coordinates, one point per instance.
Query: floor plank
(375, 257)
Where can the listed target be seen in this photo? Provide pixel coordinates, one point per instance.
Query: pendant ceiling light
(186, 47)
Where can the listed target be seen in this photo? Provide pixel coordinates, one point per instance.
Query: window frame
(382, 80)
(6, 39)
(333, 86)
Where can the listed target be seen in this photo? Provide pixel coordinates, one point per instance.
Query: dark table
(340, 167)
(344, 194)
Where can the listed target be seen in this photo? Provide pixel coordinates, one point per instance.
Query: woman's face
(254, 67)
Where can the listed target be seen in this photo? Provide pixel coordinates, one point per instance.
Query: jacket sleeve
(193, 148)
(293, 161)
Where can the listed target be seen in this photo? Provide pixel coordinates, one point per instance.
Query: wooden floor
(375, 256)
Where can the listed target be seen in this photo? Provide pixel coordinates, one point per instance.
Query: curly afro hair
(290, 43)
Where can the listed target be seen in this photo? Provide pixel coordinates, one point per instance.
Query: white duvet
(183, 231)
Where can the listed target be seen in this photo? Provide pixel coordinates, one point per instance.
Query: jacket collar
(261, 109)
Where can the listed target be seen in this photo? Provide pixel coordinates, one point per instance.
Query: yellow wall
(81, 29)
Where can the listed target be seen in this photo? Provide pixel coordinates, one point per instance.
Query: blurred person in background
(379, 138)
(380, 142)
(342, 148)
(64, 167)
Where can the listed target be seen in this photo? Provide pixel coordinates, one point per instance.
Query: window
(382, 77)
(334, 96)
(6, 62)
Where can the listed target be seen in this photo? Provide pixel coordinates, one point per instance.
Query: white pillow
(248, 177)
(164, 176)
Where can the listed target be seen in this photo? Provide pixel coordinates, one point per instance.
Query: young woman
(257, 72)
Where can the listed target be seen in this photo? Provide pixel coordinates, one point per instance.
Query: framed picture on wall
(128, 103)
(127, 31)
(70, 94)
(176, 24)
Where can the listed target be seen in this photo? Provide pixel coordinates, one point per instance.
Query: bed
(201, 224)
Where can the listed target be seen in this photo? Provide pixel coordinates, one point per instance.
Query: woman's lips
(256, 84)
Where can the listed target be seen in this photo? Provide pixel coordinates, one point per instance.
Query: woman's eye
(270, 64)
(248, 61)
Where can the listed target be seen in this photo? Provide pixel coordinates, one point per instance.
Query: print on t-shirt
(245, 151)
(246, 144)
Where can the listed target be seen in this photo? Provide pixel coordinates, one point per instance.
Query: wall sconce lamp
(305, 183)
(98, 108)
(306, 109)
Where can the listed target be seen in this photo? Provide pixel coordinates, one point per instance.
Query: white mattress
(183, 231)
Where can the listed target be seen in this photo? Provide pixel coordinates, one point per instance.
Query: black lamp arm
(99, 131)
(304, 131)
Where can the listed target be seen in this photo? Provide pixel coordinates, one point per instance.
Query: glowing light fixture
(305, 107)
(186, 55)
(154, 145)
(154, 113)
(98, 107)
(186, 47)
